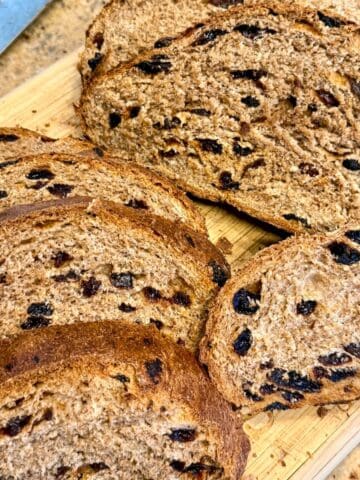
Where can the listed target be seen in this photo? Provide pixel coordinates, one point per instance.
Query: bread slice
(285, 331)
(76, 259)
(123, 29)
(19, 142)
(259, 109)
(49, 176)
(112, 401)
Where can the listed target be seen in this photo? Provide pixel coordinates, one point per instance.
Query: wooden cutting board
(302, 444)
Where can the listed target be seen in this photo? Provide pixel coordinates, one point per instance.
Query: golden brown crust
(95, 345)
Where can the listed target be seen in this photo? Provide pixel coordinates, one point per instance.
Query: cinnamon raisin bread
(76, 259)
(48, 176)
(111, 401)
(286, 330)
(19, 142)
(259, 108)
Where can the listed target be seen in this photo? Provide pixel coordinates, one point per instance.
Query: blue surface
(15, 16)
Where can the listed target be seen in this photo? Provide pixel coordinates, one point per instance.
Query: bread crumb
(322, 411)
(224, 245)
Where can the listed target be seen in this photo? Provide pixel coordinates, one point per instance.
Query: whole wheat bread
(285, 331)
(111, 401)
(123, 29)
(76, 259)
(259, 108)
(48, 176)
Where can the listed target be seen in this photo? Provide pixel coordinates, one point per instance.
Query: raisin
(122, 280)
(241, 151)
(341, 374)
(40, 174)
(137, 204)
(243, 343)
(293, 380)
(227, 182)
(134, 112)
(158, 324)
(334, 359)
(124, 307)
(8, 137)
(35, 322)
(355, 87)
(292, 216)
(220, 276)
(267, 389)
(9, 163)
(183, 435)
(169, 123)
(328, 98)
(292, 397)
(319, 372)
(154, 370)
(122, 378)
(308, 169)
(3, 194)
(152, 294)
(177, 465)
(353, 349)
(306, 307)
(343, 254)
(163, 42)
(329, 21)
(266, 365)
(245, 302)
(40, 309)
(99, 151)
(114, 120)
(157, 64)
(95, 61)
(71, 276)
(292, 100)
(61, 471)
(209, 36)
(276, 406)
(253, 31)
(250, 101)
(196, 468)
(353, 235)
(39, 185)
(15, 425)
(168, 154)
(190, 240)
(252, 396)
(225, 3)
(211, 146)
(98, 467)
(2, 278)
(312, 107)
(180, 298)
(351, 164)
(60, 258)
(249, 74)
(202, 112)
(90, 287)
(98, 40)
(60, 190)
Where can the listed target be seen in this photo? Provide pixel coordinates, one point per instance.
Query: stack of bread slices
(125, 352)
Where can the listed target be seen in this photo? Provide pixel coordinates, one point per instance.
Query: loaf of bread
(285, 331)
(258, 108)
(111, 401)
(74, 260)
(49, 176)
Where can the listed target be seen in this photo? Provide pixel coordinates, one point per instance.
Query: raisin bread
(111, 401)
(286, 330)
(48, 176)
(259, 108)
(76, 259)
(19, 142)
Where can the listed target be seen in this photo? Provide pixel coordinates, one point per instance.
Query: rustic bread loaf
(111, 401)
(259, 109)
(286, 330)
(19, 142)
(48, 176)
(75, 259)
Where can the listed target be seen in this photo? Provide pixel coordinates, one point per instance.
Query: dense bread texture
(124, 29)
(75, 260)
(19, 142)
(48, 176)
(259, 109)
(286, 330)
(111, 401)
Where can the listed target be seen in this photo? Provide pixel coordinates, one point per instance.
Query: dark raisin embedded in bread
(285, 331)
(95, 260)
(159, 429)
(273, 142)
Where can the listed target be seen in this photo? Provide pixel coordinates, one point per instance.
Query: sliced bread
(48, 176)
(76, 259)
(285, 331)
(111, 401)
(259, 108)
